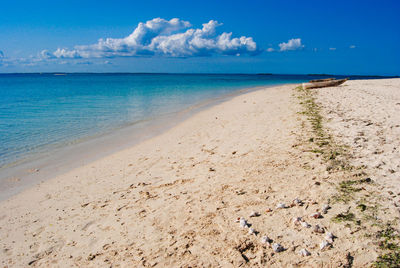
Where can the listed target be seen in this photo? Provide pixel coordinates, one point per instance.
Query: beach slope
(174, 200)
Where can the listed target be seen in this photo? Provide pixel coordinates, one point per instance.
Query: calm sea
(42, 112)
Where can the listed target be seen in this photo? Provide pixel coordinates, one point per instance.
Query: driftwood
(321, 80)
(329, 83)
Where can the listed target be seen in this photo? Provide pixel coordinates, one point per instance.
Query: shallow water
(40, 112)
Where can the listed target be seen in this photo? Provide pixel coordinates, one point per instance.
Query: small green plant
(341, 217)
(389, 241)
(391, 259)
(362, 207)
(348, 188)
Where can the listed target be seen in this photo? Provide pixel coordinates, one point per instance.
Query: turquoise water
(42, 111)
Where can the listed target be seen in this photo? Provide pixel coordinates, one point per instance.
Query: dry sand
(174, 200)
(365, 115)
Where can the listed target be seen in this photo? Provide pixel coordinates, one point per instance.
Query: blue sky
(341, 37)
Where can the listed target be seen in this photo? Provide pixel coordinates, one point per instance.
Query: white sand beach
(174, 200)
(365, 115)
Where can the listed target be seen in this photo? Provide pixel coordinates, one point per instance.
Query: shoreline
(270, 156)
(40, 166)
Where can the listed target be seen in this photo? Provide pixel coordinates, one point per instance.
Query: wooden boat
(324, 83)
(321, 80)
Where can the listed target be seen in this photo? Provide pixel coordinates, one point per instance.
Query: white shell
(316, 215)
(297, 201)
(304, 252)
(329, 237)
(324, 245)
(243, 222)
(297, 220)
(265, 239)
(325, 208)
(318, 229)
(305, 224)
(252, 231)
(254, 214)
(281, 205)
(277, 247)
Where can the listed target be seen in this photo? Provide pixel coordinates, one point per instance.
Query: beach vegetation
(337, 158)
(388, 242)
(362, 207)
(346, 216)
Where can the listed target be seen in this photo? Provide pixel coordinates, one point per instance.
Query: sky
(292, 37)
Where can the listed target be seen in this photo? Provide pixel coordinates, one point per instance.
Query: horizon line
(200, 73)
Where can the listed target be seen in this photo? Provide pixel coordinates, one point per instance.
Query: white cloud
(30, 61)
(270, 49)
(352, 46)
(173, 38)
(46, 54)
(292, 44)
(332, 48)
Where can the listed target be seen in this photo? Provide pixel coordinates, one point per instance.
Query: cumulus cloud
(270, 49)
(332, 48)
(173, 38)
(292, 44)
(352, 46)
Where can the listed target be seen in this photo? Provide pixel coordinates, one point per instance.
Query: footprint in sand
(38, 231)
(8, 251)
(34, 247)
(13, 180)
(33, 170)
(87, 225)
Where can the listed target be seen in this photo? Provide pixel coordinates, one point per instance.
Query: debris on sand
(266, 240)
(329, 237)
(281, 205)
(252, 231)
(316, 215)
(243, 223)
(297, 202)
(277, 247)
(304, 252)
(318, 229)
(297, 220)
(325, 245)
(254, 214)
(325, 208)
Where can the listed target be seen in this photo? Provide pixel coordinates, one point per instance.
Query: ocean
(40, 112)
